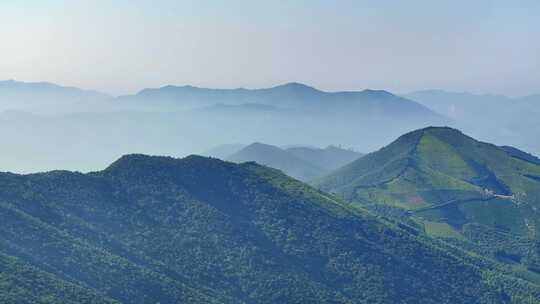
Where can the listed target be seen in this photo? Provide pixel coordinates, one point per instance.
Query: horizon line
(401, 94)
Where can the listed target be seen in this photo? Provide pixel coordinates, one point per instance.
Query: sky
(122, 46)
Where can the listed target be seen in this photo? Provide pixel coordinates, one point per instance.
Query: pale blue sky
(120, 46)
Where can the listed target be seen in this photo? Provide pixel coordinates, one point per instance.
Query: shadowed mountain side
(43, 97)
(278, 158)
(318, 160)
(329, 158)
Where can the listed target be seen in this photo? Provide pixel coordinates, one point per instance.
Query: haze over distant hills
(461, 105)
(464, 105)
(290, 95)
(44, 97)
(201, 230)
(180, 121)
(267, 152)
(493, 118)
(278, 158)
(304, 163)
(84, 130)
(484, 197)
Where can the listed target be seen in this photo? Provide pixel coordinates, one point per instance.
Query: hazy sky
(121, 46)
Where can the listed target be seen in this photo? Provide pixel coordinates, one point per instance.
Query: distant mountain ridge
(179, 121)
(34, 91)
(47, 97)
(277, 158)
(286, 95)
(304, 163)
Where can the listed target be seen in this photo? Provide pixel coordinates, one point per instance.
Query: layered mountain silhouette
(201, 230)
(303, 163)
(278, 158)
(289, 96)
(47, 97)
(456, 186)
(80, 130)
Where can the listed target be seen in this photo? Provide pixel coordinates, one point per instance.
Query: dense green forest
(201, 230)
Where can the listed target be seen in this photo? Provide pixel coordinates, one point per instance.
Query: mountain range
(44, 97)
(85, 131)
(200, 230)
(290, 95)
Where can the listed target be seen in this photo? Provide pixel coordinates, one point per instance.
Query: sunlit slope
(442, 176)
(428, 167)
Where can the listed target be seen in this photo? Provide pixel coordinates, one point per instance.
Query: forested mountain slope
(200, 230)
(457, 186)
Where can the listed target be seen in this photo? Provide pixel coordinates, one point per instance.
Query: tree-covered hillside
(456, 187)
(201, 230)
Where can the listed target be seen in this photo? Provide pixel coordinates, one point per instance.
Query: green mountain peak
(443, 178)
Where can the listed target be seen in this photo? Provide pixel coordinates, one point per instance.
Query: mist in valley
(71, 129)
